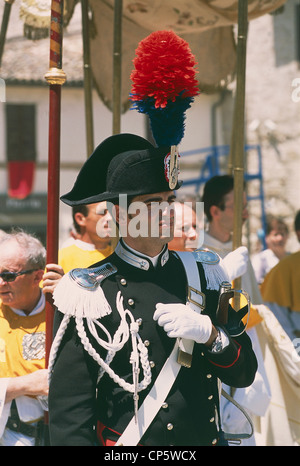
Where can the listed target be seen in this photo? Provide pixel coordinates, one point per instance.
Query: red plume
(164, 69)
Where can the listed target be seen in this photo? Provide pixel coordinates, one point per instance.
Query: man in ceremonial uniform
(135, 359)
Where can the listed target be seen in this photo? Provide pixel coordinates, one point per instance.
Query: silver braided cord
(139, 353)
(56, 343)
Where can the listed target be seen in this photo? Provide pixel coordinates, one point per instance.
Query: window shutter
(20, 132)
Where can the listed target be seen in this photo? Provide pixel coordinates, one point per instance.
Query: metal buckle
(184, 359)
(190, 290)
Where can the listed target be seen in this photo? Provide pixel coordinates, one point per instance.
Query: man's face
(150, 217)
(226, 216)
(277, 238)
(185, 232)
(98, 221)
(17, 294)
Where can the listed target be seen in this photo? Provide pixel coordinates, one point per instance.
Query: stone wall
(273, 112)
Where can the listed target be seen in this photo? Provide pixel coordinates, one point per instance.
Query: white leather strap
(192, 275)
(163, 384)
(196, 299)
(152, 403)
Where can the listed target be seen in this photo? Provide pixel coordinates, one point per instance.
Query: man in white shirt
(263, 328)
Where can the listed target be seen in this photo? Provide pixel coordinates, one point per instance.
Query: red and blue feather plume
(164, 84)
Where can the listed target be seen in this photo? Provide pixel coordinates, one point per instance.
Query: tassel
(73, 300)
(214, 275)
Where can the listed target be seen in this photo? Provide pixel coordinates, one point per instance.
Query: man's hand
(236, 262)
(52, 277)
(33, 384)
(180, 321)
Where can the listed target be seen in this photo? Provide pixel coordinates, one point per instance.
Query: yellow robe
(281, 284)
(22, 342)
(80, 254)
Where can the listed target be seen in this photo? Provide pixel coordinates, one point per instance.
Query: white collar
(84, 245)
(38, 308)
(216, 245)
(139, 260)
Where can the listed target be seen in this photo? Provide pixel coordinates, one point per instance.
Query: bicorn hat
(121, 164)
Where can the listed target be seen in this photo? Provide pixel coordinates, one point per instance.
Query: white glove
(235, 263)
(180, 321)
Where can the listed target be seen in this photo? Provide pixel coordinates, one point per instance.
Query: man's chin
(6, 298)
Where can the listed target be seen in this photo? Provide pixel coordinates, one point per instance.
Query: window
(20, 132)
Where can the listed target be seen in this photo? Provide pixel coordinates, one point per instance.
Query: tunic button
(146, 342)
(210, 397)
(123, 281)
(208, 376)
(212, 419)
(152, 364)
(165, 405)
(139, 321)
(170, 426)
(130, 302)
(214, 441)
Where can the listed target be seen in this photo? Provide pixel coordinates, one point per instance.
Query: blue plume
(167, 124)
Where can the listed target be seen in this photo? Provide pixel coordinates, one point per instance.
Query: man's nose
(192, 233)
(108, 217)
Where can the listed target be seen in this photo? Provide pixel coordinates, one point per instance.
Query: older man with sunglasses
(23, 377)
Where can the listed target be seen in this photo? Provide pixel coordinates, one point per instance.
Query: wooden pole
(117, 66)
(4, 25)
(87, 78)
(238, 136)
(55, 78)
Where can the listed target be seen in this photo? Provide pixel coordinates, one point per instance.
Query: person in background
(280, 289)
(277, 233)
(92, 224)
(269, 404)
(23, 377)
(186, 231)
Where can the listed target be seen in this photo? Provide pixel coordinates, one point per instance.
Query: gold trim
(184, 359)
(55, 76)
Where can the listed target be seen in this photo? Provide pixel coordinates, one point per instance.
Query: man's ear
(38, 275)
(214, 211)
(80, 219)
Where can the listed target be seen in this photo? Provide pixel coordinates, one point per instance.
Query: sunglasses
(11, 276)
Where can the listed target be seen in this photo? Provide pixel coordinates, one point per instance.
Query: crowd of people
(122, 312)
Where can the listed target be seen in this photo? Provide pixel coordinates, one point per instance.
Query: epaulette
(79, 292)
(92, 277)
(206, 256)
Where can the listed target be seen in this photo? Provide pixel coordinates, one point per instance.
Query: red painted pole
(55, 78)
